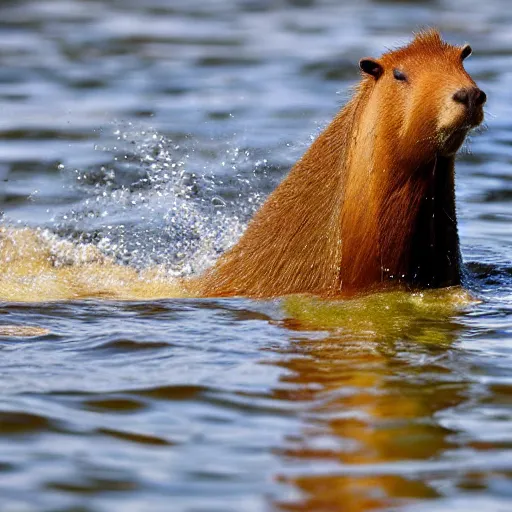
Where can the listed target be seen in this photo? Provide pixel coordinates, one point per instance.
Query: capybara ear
(371, 67)
(466, 51)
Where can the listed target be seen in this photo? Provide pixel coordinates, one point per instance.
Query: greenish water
(145, 126)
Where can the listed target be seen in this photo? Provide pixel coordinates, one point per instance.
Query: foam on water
(161, 202)
(153, 214)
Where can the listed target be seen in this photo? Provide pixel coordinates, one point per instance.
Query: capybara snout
(470, 96)
(473, 98)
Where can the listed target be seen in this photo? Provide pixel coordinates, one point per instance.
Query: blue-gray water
(152, 130)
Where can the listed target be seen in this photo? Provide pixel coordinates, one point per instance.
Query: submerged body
(371, 204)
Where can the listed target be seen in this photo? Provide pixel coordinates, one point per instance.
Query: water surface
(152, 130)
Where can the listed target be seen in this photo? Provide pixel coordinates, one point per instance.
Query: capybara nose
(470, 96)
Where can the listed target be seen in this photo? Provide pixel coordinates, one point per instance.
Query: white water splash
(159, 202)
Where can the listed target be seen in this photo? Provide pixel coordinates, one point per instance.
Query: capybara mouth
(477, 118)
(454, 140)
(474, 118)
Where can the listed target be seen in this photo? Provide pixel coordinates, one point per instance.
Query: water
(396, 402)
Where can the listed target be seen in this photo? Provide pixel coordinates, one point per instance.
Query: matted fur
(371, 204)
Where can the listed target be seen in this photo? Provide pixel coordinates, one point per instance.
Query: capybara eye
(399, 75)
(466, 51)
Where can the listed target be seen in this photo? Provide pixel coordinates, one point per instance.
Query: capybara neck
(371, 204)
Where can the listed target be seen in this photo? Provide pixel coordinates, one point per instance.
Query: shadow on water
(370, 391)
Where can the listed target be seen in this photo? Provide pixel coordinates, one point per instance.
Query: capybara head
(426, 96)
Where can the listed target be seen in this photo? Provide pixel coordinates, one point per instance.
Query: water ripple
(149, 132)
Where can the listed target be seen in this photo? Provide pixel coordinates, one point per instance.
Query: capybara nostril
(461, 96)
(480, 97)
(470, 96)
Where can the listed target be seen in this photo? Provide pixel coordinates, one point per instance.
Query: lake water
(153, 130)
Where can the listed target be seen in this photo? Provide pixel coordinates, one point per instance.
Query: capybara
(371, 204)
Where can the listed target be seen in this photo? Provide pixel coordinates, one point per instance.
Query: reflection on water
(378, 391)
(144, 134)
(373, 402)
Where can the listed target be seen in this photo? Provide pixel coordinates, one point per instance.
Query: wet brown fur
(371, 204)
